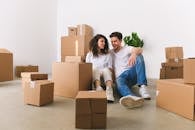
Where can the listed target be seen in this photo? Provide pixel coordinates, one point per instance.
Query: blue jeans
(134, 75)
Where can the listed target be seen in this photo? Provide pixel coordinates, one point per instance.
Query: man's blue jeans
(134, 75)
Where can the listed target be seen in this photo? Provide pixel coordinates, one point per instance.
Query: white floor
(60, 115)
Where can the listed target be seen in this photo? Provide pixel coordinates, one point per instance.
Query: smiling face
(101, 43)
(116, 43)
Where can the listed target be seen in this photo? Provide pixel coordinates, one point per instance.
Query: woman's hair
(116, 34)
(93, 45)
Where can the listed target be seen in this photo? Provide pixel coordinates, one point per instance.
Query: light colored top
(100, 62)
(120, 59)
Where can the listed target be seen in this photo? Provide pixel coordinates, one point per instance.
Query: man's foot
(99, 88)
(109, 94)
(143, 91)
(131, 101)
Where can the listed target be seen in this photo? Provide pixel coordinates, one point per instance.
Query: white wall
(160, 23)
(28, 28)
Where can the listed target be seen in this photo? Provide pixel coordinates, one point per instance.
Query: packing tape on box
(32, 84)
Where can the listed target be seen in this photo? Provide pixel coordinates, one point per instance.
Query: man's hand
(132, 59)
(134, 53)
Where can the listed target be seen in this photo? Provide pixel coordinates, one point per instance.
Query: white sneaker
(143, 91)
(131, 101)
(99, 88)
(109, 94)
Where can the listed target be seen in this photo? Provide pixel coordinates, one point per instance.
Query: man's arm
(135, 51)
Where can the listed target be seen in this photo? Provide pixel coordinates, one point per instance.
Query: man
(129, 67)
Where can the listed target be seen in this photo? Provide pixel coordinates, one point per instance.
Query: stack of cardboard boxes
(72, 74)
(178, 95)
(6, 65)
(91, 110)
(173, 67)
(37, 89)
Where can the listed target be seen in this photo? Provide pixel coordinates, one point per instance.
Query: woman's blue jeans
(134, 75)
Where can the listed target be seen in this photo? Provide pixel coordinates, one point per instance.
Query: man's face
(116, 43)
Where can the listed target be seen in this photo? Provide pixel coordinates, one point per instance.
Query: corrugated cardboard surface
(175, 96)
(174, 52)
(68, 45)
(28, 68)
(72, 31)
(31, 76)
(70, 77)
(91, 109)
(84, 29)
(74, 59)
(38, 92)
(189, 71)
(171, 70)
(6, 65)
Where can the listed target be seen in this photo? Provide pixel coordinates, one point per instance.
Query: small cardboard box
(32, 76)
(91, 109)
(28, 68)
(84, 29)
(6, 65)
(171, 70)
(177, 97)
(189, 70)
(74, 46)
(39, 92)
(71, 77)
(174, 52)
(72, 31)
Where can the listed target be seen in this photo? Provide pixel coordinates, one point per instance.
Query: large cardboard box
(189, 70)
(71, 77)
(177, 97)
(6, 65)
(91, 109)
(74, 46)
(39, 92)
(174, 52)
(32, 76)
(28, 68)
(84, 29)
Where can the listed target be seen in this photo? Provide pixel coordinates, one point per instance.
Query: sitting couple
(128, 65)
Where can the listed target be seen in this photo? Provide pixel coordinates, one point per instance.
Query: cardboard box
(91, 109)
(71, 77)
(84, 29)
(6, 65)
(174, 52)
(176, 96)
(171, 70)
(28, 68)
(72, 31)
(39, 92)
(74, 59)
(32, 76)
(74, 46)
(189, 70)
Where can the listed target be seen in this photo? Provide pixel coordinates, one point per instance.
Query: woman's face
(101, 43)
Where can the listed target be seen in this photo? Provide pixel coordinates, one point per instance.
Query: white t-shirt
(100, 62)
(120, 59)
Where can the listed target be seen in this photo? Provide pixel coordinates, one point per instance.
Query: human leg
(141, 77)
(96, 79)
(107, 75)
(128, 99)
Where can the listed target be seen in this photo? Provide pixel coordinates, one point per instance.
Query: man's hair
(93, 45)
(116, 34)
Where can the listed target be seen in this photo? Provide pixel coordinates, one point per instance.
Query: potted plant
(133, 40)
